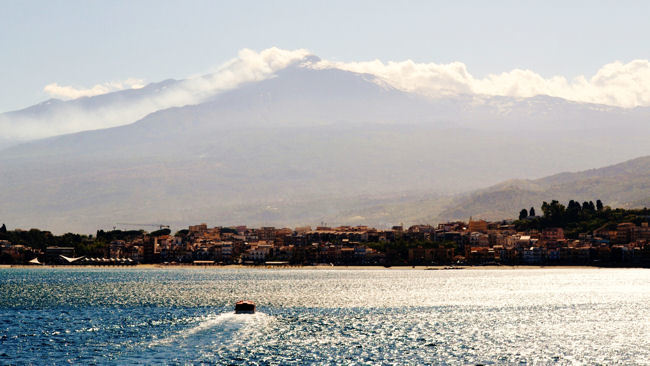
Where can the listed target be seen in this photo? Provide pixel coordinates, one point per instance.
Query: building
(554, 233)
(625, 232)
(532, 255)
(53, 254)
(198, 229)
(480, 226)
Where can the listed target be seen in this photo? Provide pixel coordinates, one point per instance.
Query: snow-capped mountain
(297, 146)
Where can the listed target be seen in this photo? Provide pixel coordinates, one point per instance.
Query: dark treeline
(87, 245)
(576, 218)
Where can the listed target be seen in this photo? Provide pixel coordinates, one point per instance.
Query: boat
(245, 307)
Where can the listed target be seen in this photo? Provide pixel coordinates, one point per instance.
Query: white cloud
(248, 66)
(70, 92)
(615, 84)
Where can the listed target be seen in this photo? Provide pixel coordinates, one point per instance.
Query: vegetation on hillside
(39, 239)
(87, 245)
(576, 218)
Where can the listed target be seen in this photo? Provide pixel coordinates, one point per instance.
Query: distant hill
(56, 117)
(308, 146)
(625, 185)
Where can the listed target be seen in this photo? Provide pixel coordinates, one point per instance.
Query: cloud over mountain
(114, 109)
(303, 145)
(70, 92)
(616, 84)
(120, 103)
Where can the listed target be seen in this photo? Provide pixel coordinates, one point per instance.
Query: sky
(114, 44)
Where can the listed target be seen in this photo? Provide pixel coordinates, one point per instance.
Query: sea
(337, 316)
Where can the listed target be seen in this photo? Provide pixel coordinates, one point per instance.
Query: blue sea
(324, 316)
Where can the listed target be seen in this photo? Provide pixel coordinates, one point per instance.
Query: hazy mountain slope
(302, 147)
(118, 108)
(622, 185)
(55, 117)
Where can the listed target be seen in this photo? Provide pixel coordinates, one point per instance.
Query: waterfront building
(53, 254)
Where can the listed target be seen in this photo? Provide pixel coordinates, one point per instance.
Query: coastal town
(472, 242)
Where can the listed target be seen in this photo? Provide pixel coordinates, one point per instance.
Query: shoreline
(302, 267)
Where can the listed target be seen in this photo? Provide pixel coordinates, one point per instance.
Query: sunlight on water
(224, 325)
(216, 332)
(120, 316)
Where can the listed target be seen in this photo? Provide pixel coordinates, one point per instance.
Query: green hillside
(624, 185)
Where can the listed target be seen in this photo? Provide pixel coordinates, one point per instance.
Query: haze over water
(119, 316)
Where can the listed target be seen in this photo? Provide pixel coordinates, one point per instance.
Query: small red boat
(245, 307)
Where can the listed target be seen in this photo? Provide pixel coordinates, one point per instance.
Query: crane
(161, 226)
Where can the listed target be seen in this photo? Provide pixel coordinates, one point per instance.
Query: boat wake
(218, 329)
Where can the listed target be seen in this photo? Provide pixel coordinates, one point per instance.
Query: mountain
(622, 185)
(56, 117)
(304, 146)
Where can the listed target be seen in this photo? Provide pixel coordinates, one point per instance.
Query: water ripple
(118, 316)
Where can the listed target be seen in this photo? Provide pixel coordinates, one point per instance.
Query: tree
(531, 212)
(161, 232)
(228, 230)
(182, 233)
(599, 205)
(573, 210)
(3, 228)
(553, 212)
(523, 214)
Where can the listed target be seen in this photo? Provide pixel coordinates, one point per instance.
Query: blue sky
(83, 43)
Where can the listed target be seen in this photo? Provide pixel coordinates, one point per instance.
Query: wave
(218, 329)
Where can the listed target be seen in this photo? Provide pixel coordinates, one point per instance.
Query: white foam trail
(221, 328)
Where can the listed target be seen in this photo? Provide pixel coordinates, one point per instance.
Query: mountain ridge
(626, 184)
(302, 147)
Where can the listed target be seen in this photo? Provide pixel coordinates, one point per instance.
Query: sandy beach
(299, 267)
